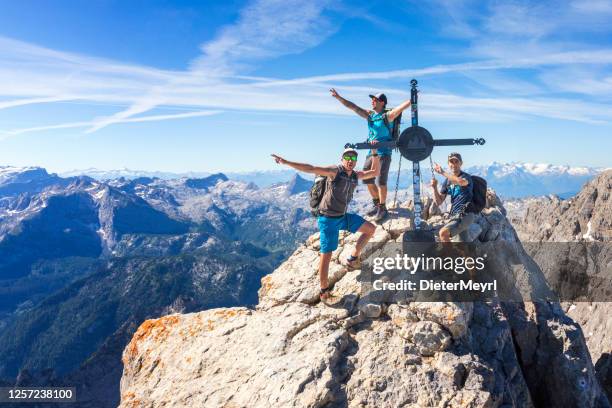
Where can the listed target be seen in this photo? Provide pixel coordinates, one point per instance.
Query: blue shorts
(330, 229)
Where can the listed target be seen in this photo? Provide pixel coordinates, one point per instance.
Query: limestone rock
(453, 316)
(585, 216)
(361, 350)
(282, 357)
(582, 218)
(428, 337)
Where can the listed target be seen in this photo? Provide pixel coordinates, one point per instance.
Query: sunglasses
(350, 157)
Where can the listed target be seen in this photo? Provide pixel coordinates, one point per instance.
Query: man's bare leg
(367, 230)
(382, 192)
(324, 260)
(373, 189)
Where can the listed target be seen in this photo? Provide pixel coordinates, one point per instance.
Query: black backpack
(395, 132)
(479, 194)
(316, 194)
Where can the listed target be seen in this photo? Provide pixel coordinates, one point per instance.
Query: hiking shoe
(381, 214)
(373, 211)
(324, 293)
(351, 263)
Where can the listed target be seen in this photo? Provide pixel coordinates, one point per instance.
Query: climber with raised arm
(460, 187)
(332, 209)
(380, 129)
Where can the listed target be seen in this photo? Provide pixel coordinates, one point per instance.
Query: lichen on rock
(293, 351)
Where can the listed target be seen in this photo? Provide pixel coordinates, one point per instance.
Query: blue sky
(207, 86)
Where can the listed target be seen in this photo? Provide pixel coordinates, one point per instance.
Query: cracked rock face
(585, 218)
(293, 351)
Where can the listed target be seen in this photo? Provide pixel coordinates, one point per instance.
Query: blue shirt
(379, 131)
(460, 196)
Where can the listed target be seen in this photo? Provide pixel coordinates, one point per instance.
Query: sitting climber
(460, 187)
(381, 123)
(333, 216)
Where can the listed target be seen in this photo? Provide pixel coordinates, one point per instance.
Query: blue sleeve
(444, 189)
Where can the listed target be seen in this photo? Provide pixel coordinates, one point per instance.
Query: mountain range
(510, 180)
(78, 255)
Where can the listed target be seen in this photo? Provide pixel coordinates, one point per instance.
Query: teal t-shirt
(380, 131)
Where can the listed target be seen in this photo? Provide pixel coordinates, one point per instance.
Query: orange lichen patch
(451, 315)
(135, 403)
(128, 399)
(229, 313)
(128, 395)
(266, 284)
(156, 329)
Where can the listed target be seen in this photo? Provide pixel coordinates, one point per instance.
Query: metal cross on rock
(415, 144)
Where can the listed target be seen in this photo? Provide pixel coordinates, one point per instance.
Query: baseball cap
(455, 155)
(349, 150)
(380, 97)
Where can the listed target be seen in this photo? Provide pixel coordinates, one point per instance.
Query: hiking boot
(324, 293)
(374, 209)
(351, 263)
(381, 214)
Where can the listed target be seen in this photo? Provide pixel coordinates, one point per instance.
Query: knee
(369, 228)
(445, 234)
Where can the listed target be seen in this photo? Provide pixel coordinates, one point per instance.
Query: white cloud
(31, 101)
(150, 118)
(592, 6)
(266, 29)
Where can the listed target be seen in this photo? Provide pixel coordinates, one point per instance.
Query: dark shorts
(385, 163)
(459, 225)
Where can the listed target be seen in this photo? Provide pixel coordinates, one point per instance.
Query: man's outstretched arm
(394, 113)
(306, 168)
(374, 171)
(451, 177)
(360, 111)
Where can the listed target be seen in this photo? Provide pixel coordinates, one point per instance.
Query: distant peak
(297, 185)
(206, 182)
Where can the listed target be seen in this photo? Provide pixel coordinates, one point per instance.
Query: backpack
(318, 190)
(479, 194)
(316, 194)
(395, 132)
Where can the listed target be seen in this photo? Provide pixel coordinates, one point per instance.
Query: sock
(376, 202)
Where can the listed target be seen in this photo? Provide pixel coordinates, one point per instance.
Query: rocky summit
(293, 351)
(582, 218)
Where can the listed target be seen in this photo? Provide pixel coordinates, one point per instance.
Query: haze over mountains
(510, 180)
